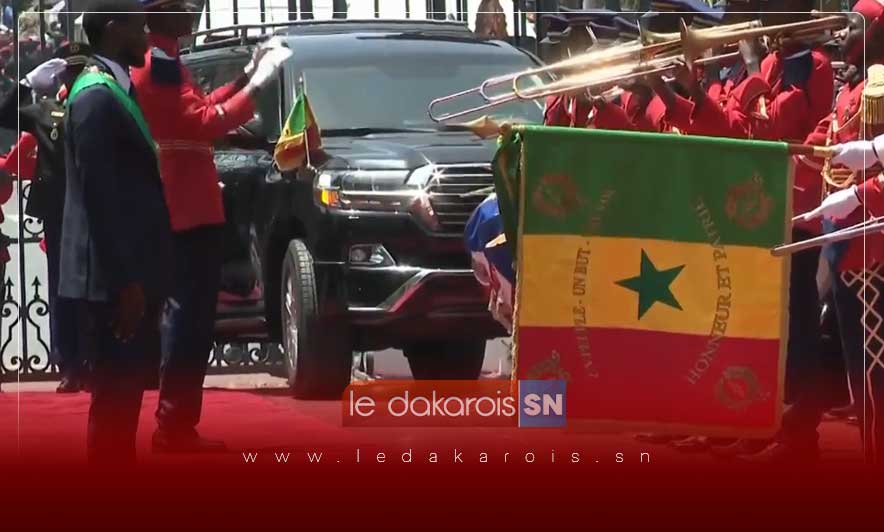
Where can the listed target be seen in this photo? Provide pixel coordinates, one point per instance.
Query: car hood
(406, 151)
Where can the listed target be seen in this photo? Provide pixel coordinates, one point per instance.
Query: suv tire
(446, 360)
(316, 351)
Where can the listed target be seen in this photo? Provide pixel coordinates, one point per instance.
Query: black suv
(364, 251)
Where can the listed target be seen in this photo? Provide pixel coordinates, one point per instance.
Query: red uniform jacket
(565, 111)
(184, 122)
(26, 150)
(681, 114)
(792, 110)
(627, 116)
(630, 116)
(807, 177)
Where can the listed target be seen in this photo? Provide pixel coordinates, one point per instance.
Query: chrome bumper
(409, 288)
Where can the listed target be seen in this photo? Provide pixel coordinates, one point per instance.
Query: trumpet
(694, 44)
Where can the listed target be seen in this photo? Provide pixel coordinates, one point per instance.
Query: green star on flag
(652, 285)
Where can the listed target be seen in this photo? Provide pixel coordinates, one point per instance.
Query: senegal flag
(645, 278)
(299, 133)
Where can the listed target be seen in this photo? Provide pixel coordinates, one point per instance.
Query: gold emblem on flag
(738, 388)
(556, 196)
(747, 204)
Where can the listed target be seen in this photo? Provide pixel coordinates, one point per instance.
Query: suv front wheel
(446, 360)
(318, 356)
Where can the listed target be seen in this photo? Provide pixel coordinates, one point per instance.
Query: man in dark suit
(116, 235)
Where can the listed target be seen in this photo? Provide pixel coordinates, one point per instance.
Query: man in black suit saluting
(116, 234)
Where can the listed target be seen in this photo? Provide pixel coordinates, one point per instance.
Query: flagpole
(830, 238)
(302, 84)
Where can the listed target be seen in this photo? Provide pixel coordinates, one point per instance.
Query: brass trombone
(609, 77)
(654, 54)
(694, 44)
(650, 37)
(604, 55)
(492, 101)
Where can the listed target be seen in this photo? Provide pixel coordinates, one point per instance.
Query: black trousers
(859, 301)
(804, 363)
(65, 322)
(188, 326)
(119, 374)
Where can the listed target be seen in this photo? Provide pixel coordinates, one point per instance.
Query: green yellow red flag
(299, 135)
(645, 278)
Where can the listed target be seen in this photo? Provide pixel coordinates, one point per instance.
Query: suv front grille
(447, 191)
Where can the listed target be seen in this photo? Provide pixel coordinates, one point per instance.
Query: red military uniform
(856, 256)
(566, 111)
(631, 116)
(792, 111)
(681, 114)
(184, 122)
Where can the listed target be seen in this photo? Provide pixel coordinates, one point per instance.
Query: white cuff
(878, 147)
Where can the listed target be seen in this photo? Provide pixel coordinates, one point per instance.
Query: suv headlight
(378, 190)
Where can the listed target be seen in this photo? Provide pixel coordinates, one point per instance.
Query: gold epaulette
(873, 97)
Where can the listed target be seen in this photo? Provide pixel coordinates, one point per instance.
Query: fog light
(374, 255)
(330, 198)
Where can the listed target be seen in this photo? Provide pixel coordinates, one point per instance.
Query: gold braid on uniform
(871, 114)
(837, 178)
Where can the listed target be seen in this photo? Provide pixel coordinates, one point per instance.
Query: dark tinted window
(393, 87)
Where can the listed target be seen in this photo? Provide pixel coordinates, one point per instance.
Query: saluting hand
(44, 77)
(129, 312)
(857, 155)
(268, 67)
(260, 51)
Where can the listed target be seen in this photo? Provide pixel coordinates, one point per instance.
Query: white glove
(43, 78)
(837, 206)
(856, 155)
(260, 51)
(268, 68)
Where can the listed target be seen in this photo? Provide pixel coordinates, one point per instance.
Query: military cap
(555, 23)
(629, 29)
(664, 22)
(604, 33)
(74, 53)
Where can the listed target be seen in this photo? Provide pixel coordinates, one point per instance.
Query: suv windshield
(392, 90)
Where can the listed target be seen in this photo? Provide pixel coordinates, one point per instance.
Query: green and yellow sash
(95, 77)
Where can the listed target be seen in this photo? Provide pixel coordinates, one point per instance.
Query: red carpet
(42, 428)
(40, 433)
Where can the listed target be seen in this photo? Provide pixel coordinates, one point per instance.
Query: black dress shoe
(186, 443)
(842, 412)
(658, 439)
(699, 444)
(694, 444)
(780, 454)
(68, 385)
(741, 448)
